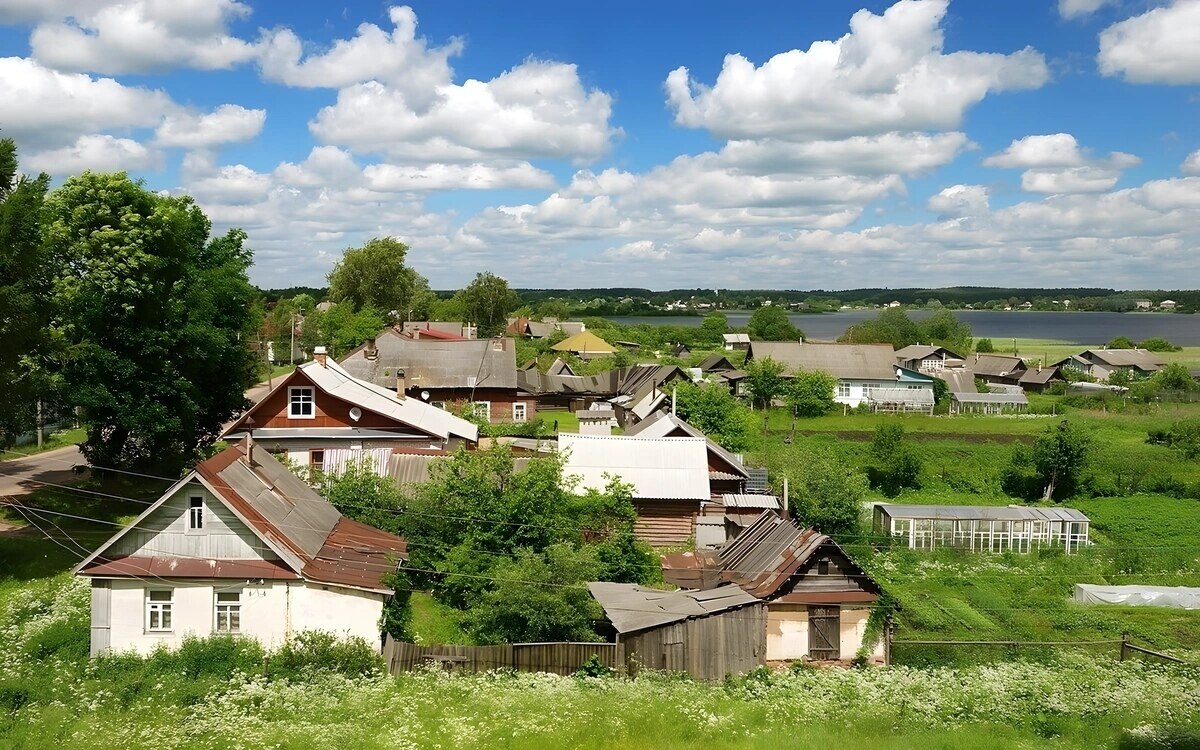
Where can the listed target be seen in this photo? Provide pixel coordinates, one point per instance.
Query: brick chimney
(401, 385)
(320, 355)
(370, 352)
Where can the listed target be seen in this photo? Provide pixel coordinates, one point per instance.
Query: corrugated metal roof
(484, 363)
(1040, 377)
(658, 468)
(960, 380)
(665, 424)
(336, 381)
(410, 468)
(750, 501)
(981, 512)
(923, 351)
(846, 361)
(596, 414)
(630, 607)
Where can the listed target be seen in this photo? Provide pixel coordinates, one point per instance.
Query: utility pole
(292, 350)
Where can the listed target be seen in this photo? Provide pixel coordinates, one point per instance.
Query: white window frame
(162, 608)
(485, 411)
(301, 390)
(226, 610)
(195, 514)
(843, 389)
(524, 411)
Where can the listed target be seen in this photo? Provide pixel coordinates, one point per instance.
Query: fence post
(1124, 646)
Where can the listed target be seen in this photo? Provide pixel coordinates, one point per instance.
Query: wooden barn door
(824, 633)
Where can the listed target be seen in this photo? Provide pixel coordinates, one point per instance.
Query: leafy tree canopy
(1121, 342)
(155, 317)
(771, 323)
(375, 276)
(1059, 456)
(764, 381)
(713, 410)
(810, 393)
(827, 495)
(487, 301)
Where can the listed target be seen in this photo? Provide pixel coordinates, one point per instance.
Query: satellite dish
(355, 413)
(424, 395)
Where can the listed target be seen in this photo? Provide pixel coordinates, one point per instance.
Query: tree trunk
(1049, 493)
(41, 425)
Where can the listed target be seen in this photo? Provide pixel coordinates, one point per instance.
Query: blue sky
(795, 145)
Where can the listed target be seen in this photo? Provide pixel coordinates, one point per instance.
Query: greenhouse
(1010, 528)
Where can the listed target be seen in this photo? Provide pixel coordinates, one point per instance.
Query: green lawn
(57, 439)
(567, 421)
(434, 622)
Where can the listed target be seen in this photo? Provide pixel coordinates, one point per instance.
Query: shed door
(824, 632)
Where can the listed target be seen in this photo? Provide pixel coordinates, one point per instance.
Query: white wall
(271, 611)
(787, 632)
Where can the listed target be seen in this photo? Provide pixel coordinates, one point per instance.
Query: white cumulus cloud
(1057, 164)
(142, 36)
(1191, 165)
(960, 200)
(99, 153)
(888, 74)
(1071, 9)
(229, 123)
(1159, 46)
(430, 177)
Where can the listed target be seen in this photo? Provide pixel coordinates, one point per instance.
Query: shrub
(810, 393)
(1159, 738)
(593, 667)
(316, 651)
(216, 656)
(898, 467)
(1121, 342)
(827, 495)
(1159, 344)
(984, 346)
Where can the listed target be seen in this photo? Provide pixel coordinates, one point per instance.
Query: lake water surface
(1085, 328)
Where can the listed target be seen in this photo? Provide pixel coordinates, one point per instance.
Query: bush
(1121, 342)
(1159, 738)
(216, 656)
(593, 667)
(984, 346)
(898, 467)
(1159, 344)
(316, 651)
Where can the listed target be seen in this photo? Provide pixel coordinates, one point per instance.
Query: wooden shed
(707, 634)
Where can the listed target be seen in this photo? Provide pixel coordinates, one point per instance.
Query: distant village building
(927, 358)
(865, 373)
(1167, 304)
(736, 341)
(1141, 304)
(1102, 363)
(240, 546)
(585, 345)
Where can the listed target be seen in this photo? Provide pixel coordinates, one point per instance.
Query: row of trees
(893, 326)
(118, 302)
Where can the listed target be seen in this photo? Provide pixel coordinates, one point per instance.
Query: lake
(1084, 328)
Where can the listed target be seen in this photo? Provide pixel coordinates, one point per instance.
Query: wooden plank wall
(555, 658)
(707, 648)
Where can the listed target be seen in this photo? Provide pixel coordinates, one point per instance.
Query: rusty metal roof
(630, 607)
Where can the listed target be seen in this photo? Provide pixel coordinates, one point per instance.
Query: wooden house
(707, 634)
(1102, 363)
(860, 369)
(818, 600)
(320, 416)
(239, 546)
(448, 374)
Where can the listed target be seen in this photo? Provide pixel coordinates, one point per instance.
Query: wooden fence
(1127, 647)
(555, 658)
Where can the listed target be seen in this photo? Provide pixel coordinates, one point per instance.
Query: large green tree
(1059, 455)
(764, 381)
(771, 323)
(713, 410)
(376, 276)
(828, 495)
(155, 318)
(487, 301)
(25, 284)
(810, 393)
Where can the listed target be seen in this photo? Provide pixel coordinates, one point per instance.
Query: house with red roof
(239, 546)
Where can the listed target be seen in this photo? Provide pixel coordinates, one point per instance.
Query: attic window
(823, 567)
(196, 513)
(300, 403)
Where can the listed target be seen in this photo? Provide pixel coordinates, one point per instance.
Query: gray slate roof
(436, 364)
(630, 607)
(921, 351)
(960, 380)
(846, 361)
(1139, 358)
(998, 365)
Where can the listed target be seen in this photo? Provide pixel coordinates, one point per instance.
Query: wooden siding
(707, 648)
(842, 575)
(555, 658)
(663, 523)
(501, 400)
(165, 532)
(328, 410)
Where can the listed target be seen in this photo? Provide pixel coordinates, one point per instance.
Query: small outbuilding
(989, 403)
(1012, 528)
(707, 634)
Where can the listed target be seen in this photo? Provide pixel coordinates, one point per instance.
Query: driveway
(52, 466)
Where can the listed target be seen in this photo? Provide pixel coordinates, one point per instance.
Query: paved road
(19, 476)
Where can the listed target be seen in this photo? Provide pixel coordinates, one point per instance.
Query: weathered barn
(707, 634)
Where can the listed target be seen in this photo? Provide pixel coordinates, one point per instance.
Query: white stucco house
(241, 546)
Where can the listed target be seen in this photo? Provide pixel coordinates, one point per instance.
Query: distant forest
(634, 301)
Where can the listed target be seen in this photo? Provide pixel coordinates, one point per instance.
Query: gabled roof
(960, 379)
(631, 608)
(986, 512)
(846, 361)
(923, 351)
(560, 367)
(332, 379)
(434, 327)
(1040, 376)
(540, 330)
(483, 363)
(1139, 358)
(303, 528)
(665, 424)
(716, 363)
(998, 365)
(657, 468)
(584, 342)
(736, 338)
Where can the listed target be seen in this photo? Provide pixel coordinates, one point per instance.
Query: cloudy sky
(799, 145)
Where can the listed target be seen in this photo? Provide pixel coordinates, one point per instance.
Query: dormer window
(301, 403)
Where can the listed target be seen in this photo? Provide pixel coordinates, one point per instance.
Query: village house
(707, 634)
(1013, 528)
(669, 477)
(321, 417)
(818, 600)
(865, 373)
(438, 329)
(739, 342)
(633, 393)
(1102, 363)
(1167, 304)
(239, 546)
(927, 358)
(999, 368)
(1141, 304)
(447, 374)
